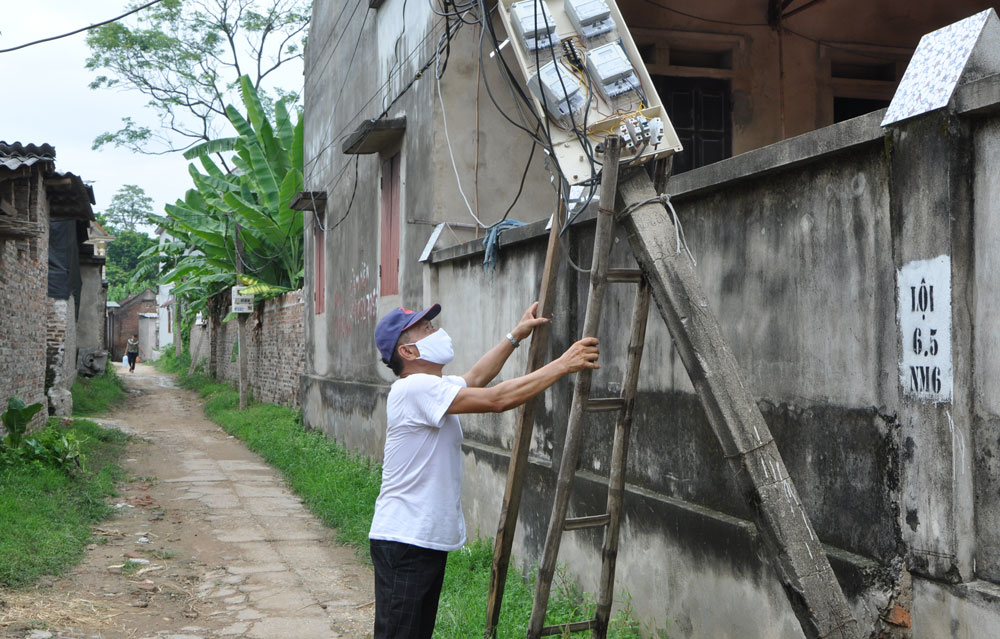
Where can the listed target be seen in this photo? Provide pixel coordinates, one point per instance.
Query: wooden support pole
(178, 339)
(581, 391)
(242, 331)
(795, 551)
(619, 457)
(537, 352)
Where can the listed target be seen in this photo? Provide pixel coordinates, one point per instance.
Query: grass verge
(46, 513)
(340, 488)
(98, 394)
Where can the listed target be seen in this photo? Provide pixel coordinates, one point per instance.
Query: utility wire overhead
(82, 29)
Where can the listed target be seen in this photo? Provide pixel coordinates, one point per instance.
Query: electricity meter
(560, 92)
(534, 25)
(590, 18)
(611, 71)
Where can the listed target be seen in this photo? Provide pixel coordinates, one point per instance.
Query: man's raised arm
(489, 365)
(514, 392)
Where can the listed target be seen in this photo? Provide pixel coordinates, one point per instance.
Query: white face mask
(436, 348)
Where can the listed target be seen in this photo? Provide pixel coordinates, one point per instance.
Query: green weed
(168, 362)
(46, 513)
(98, 394)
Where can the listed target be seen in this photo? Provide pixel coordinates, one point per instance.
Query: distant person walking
(133, 352)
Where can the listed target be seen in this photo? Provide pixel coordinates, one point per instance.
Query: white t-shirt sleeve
(430, 396)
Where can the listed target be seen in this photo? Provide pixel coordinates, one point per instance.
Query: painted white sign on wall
(925, 369)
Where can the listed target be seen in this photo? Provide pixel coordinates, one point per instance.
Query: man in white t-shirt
(418, 514)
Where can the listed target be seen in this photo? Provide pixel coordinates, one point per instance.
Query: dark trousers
(407, 586)
(131, 360)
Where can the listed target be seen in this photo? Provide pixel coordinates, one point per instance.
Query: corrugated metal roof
(14, 155)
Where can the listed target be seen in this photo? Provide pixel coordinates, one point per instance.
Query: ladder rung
(604, 404)
(590, 521)
(576, 626)
(632, 275)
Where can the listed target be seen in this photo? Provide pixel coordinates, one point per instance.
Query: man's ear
(408, 352)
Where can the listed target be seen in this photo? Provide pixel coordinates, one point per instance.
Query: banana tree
(253, 197)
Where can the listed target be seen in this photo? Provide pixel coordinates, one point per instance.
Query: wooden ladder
(795, 552)
(583, 403)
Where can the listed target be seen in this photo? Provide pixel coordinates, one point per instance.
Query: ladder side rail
(574, 431)
(797, 554)
(517, 469)
(619, 461)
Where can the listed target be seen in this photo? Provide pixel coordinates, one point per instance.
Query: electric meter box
(611, 70)
(590, 18)
(240, 302)
(560, 92)
(585, 79)
(534, 24)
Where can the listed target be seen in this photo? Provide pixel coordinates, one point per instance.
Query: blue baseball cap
(392, 325)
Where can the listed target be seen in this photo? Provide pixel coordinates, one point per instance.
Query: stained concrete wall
(984, 447)
(91, 323)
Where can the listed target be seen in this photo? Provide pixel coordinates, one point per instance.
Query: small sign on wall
(241, 303)
(925, 368)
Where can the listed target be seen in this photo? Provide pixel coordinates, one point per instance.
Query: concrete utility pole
(241, 318)
(796, 553)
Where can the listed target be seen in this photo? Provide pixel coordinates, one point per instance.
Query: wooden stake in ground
(796, 552)
(242, 333)
(177, 327)
(522, 442)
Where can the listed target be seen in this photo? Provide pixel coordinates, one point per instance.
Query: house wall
(148, 330)
(93, 308)
(772, 101)
(23, 282)
(165, 336)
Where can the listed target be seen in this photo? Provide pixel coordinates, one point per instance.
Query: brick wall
(23, 282)
(276, 352)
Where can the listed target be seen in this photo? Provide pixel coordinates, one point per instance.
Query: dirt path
(231, 551)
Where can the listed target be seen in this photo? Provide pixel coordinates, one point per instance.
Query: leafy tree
(255, 196)
(129, 207)
(123, 258)
(187, 56)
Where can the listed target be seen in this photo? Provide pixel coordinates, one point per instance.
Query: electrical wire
(354, 192)
(451, 153)
(703, 19)
(82, 29)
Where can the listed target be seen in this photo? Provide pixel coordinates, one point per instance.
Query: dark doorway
(699, 109)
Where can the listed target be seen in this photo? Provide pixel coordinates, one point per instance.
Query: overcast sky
(46, 99)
